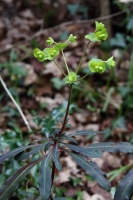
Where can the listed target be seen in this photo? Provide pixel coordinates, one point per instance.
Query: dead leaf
(97, 197)
(31, 77)
(103, 195)
(51, 68)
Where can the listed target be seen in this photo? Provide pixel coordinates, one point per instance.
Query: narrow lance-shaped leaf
(45, 178)
(66, 137)
(10, 185)
(35, 150)
(93, 170)
(87, 152)
(87, 133)
(60, 198)
(14, 152)
(112, 147)
(48, 145)
(124, 190)
(56, 158)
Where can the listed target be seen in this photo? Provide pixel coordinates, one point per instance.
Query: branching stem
(83, 76)
(65, 62)
(59, 67)
(80, 63)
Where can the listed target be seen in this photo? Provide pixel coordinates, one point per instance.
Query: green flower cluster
(71, 78)
(39, 54)
(50, 41)
(98, 65)
(72, 38)
(110, 62)
(95, 65)
(99, 34)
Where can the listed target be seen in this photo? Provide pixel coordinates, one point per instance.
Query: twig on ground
(15, 103)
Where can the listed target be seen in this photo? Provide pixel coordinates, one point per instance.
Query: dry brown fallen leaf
(51, 68)
(71, 168)
(31, 76)
(86, 196)
(51, 103)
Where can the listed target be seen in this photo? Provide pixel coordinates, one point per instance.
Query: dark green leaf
(130, 23)
(93, 170)
(35, 150)
(14, 152)
(73, 8)
(18, 70)
(66, 137)
(59, 112)
(88, 133)
(58, 84)
(10, 185)
(45, 178)
(120, 122)
(60, 198)
(49, 122)
(48, 125)
(112, 147)
(48, 145)
(56, 158)
(119, 40)
(124, 190)
(85, 151)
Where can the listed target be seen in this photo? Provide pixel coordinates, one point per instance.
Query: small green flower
(72, 38)
(39, 54)
(99, 26)
(71, 78)
(50, 41)
(97, 65)
(50, 53)
(101, 34)
(110, 62)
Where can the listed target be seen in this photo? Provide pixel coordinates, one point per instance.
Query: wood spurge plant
(55, 140)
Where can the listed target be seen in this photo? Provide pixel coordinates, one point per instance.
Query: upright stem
(67, 110)
(15, 103)
(65, 62)
(82, 57)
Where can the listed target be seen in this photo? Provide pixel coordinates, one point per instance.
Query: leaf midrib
(126, 188)
(19, 176)
(89, 166)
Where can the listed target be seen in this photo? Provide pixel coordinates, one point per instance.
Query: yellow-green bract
(50, 41)
(99, 26)
(110, 62)
(39, 54)
(72, 38)
(50, 53)
(99, 34)
(97, 65)
(71, 78)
